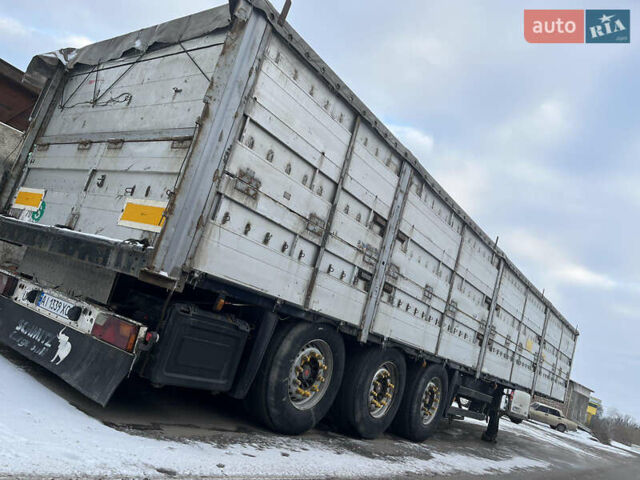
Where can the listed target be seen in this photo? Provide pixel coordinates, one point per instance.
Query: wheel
(515, 420)
(423, 402)
(298, 379)
(561, 428)
(371, 391)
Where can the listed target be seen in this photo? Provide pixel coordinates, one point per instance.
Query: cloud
(21, 42)
(539, 126)
(10, 26)
(555, 267)
(74, 41)
(627, 311)
(419, 142)
(580, 275)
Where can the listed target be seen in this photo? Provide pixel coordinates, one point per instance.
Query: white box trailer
(208, 185)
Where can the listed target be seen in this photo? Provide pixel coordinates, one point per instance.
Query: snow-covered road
(43, 435)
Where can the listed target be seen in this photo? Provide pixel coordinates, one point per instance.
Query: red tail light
(7, 284)
(115, 331)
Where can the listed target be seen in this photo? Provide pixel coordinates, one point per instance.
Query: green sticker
(37, 215)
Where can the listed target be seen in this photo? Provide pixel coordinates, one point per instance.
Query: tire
(351, 410)
(273, 401)
(412, 422)
(561, 428)
(515, 420)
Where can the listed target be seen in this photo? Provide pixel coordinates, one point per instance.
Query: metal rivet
(247, 228)
(285, 246)
(301, 255)
(270, 155)
(250, 142)
(305, 179)
(287, 169)
(226, 217)
(267, 237)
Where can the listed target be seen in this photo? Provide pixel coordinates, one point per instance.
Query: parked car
(552, 417)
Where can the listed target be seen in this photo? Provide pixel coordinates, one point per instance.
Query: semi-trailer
(205, 203)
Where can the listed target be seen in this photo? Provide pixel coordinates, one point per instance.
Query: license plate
(54, 305)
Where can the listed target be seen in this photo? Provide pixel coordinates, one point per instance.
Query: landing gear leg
(491, 433)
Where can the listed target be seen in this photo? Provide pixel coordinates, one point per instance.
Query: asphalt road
(184, 415)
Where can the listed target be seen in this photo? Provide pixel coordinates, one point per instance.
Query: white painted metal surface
(293, 146)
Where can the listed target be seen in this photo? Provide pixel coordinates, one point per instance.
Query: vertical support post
(332, 212)
(491, 433)
(45, 105)
(284, 12)
(555, 364)
(487, 327)
(221, 119)
(388, 242)
(547, 314)
(524, 307)
(453, 279)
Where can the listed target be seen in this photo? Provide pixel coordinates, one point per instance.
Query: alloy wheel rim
(310, 374)
(430, 401)
(382, 389)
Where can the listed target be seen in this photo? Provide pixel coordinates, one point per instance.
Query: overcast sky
(539, 143)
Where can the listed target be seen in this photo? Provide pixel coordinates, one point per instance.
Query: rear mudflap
(89, 365)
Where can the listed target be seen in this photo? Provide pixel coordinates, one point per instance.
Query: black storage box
(197, 349)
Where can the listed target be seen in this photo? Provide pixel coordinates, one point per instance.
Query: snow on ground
(626, 448)
(42, 434)
(579, 442)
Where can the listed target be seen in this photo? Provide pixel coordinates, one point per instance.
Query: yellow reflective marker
(143, 214)
(29, 198)
(529, 346)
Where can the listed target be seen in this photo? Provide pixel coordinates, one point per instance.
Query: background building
(577, 402)
(594, 409)
(16, 98)
(16, 103)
